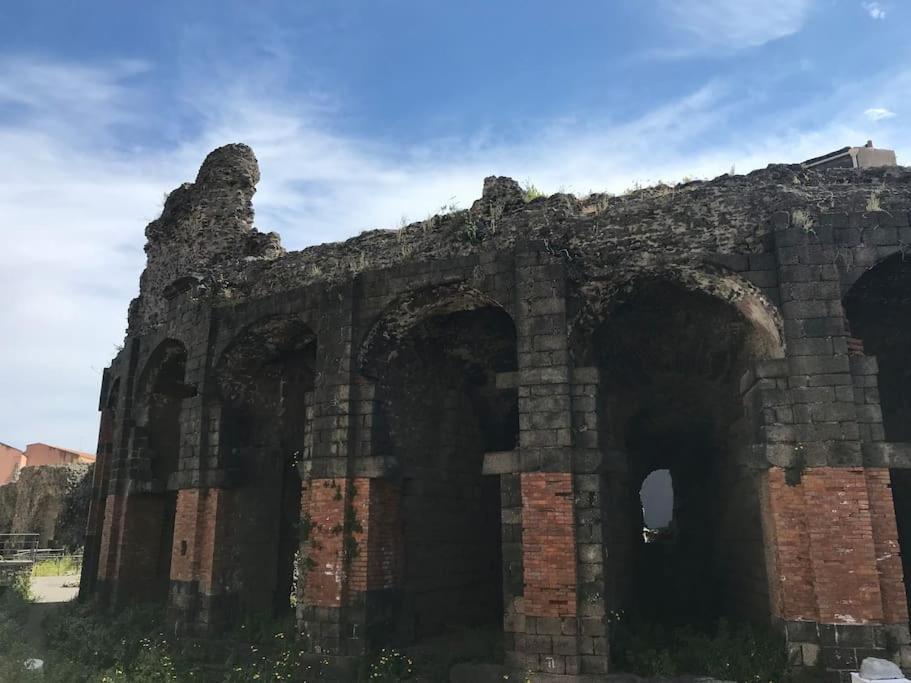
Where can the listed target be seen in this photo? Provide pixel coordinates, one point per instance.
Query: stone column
(555, 605)
(825, 512)
(349, 553)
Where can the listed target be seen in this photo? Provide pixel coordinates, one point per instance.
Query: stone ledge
(369, 467)
(888, 454)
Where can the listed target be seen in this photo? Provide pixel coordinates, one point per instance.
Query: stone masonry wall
(777, 249)
(49, 500)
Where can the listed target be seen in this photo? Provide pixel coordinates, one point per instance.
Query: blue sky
(364, 114)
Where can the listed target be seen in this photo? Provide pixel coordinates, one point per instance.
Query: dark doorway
(671, 362)
(439, 411)
(266, 382)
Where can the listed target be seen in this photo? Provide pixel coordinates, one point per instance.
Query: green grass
(530, 192)
(61, 566)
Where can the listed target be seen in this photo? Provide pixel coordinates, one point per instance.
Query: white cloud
(75, 200)
(879, 113)
(726, 25)
(875, 10)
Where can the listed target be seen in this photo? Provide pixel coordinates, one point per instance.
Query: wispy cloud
(724, 25)
(875, 10)
(75, 197)
(879, 113)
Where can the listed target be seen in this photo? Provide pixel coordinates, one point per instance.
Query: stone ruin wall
(51, 501)
(478, 396)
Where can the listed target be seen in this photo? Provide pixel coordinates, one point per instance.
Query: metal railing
(19, 547)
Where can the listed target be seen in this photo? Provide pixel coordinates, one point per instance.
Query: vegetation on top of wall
(530, 192)
(803, 220)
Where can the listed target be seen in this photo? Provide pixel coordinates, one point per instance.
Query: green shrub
(743, 653)
(530, 191)
(82, 636)
(390, 665)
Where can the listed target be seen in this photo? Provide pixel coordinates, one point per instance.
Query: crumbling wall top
(203, 225)
(205, 236)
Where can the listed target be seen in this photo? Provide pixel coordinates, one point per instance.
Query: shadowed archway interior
(266, 379)
(671, 361)
(438, 412)
(159, 438)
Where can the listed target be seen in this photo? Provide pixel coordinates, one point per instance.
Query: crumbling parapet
(203, 226)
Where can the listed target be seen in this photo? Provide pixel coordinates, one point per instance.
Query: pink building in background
(42, 454)
(36, 454)
(11, 461)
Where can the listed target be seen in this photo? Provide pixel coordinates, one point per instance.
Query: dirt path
(50, 592)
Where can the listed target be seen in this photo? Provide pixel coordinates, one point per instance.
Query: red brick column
(548, 538)
(832, 547)
(324, 505)
(110, 537)
(787, 548)
(549, 547)
(197, 526)
(374, 539)
(129, 545)
(353, 547)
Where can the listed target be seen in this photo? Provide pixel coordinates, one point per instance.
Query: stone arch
(157, 404)
(435, 357)
(671, 352)
(264, 384)
(404, 313)
(600, 298)
(854, 270)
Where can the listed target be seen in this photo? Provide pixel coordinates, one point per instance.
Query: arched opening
(878, 308)
(266, 380)
(657, 498)
(438, 410)
(671, 429)
(158, 438)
